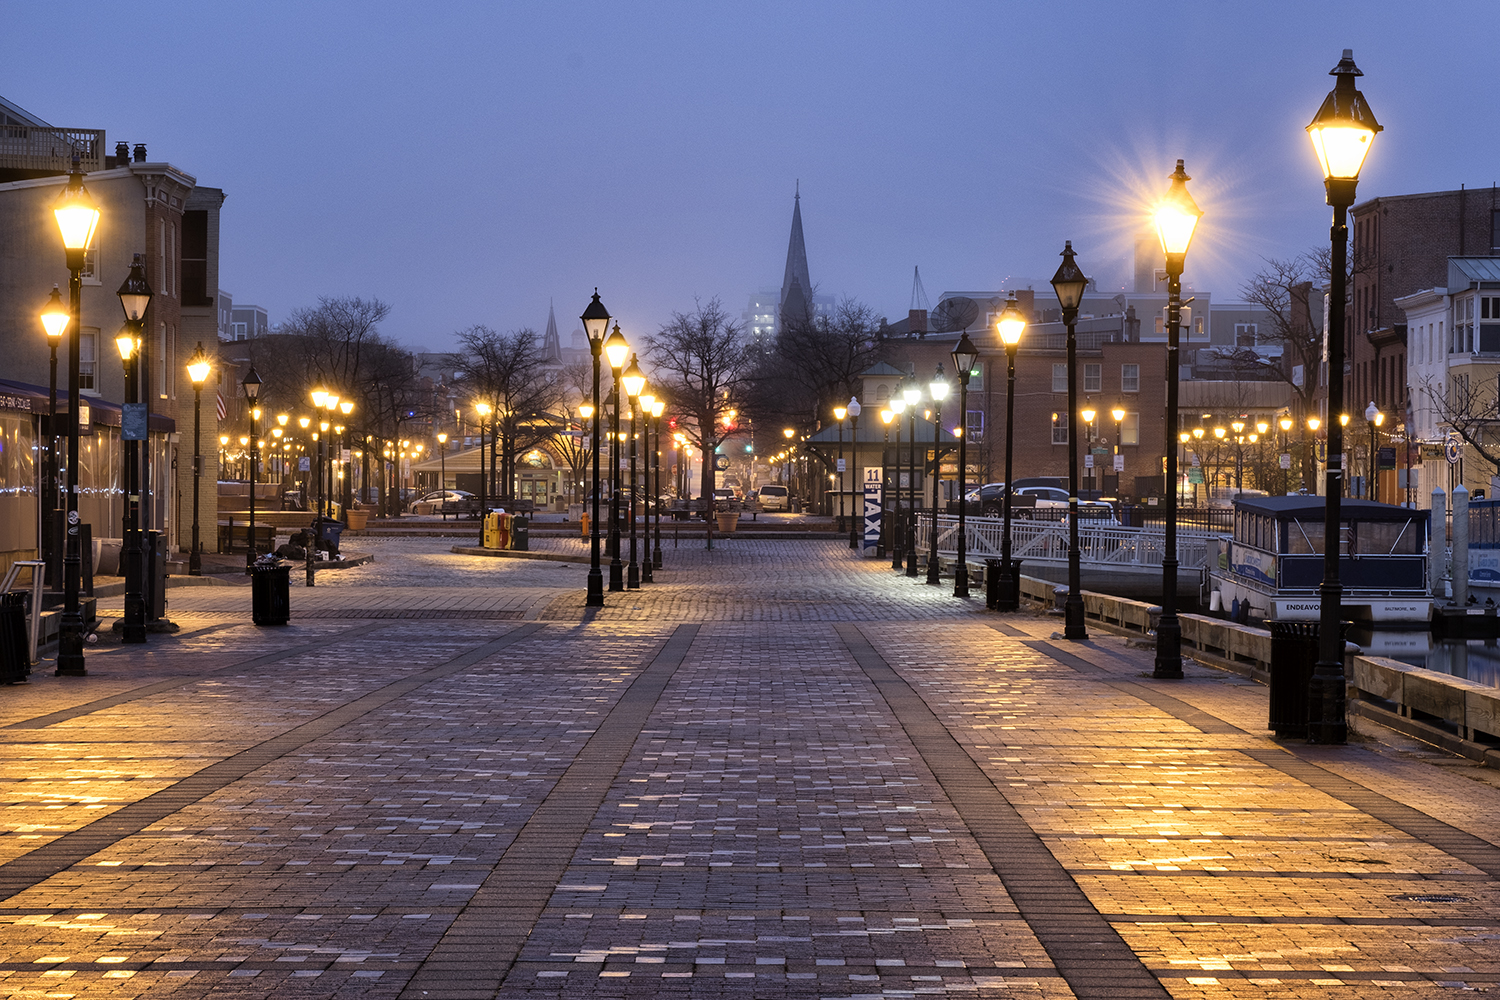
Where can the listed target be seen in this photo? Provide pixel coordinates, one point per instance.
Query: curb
(473, 550)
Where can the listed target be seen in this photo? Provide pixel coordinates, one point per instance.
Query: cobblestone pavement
(778, 772)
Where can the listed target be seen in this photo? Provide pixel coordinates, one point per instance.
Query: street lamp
(886, 416)
(55, 317)
(595, 323)
(1286, 423)
(77, 218)
(1069, 283)
(346, 407)
(1011, 324)
(483, 410)
(1342, 132)
(938, 388)
(442, 440)
(1088, 413)
(634, 381)
(856, 511)
(912, 393)
(198, 367)
(1176, 218)
(657, 409)
(965, 357)
(251, 383)
(898, 534)
(839, 413)
(1118, 412)
(617, 349)
(135, 297)
(1374, 418)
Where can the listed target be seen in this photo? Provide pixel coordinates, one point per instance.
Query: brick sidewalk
(778, 772)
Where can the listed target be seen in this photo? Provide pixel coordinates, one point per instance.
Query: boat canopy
(1314, 508)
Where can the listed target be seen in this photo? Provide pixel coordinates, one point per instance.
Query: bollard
(1460, 561)
(992, 584)
(1437, 543)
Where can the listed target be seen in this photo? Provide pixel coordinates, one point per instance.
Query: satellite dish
(955, 314)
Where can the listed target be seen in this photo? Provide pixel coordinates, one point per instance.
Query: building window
(1198, 326)
(1244, 334)
(1130, 378)
(88, 340)
(882, 394)
(1059, 428)
(1060, 378)
(1093, 378)
(976, 379)
(1161, 325)
(1130, 430)
(974, 425)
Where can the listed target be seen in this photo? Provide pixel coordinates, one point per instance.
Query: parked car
(988, 500)
(1052, 502)
(431, 503)
(723, 494)
(774, 498)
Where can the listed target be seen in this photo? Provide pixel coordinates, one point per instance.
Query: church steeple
(796, 285)
(551, 344)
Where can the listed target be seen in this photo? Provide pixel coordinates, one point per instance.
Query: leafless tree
(700, 364)
(1467, 407)
(814, 366)
(509, 371)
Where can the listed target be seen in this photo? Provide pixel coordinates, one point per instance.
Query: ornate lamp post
(442, 440)
(55, 317)
(886, 416)
(251, 384)
(595, 323)
(839, 413)
(482, 409)
(1069, 282)
(135, 297)
(898, 528)
(1088, 413)
(617, 349)
(1176, 218)
(645, 403)
(657, 409)
(938, 388)
(77, 218)
(1374, 418)
(1286, 450)
(912, 393)
(857, 507)
(965, 357)
(1118, 412)
(346, 407)
(198, 368)
(1342, 132)
(634, 381)
(1011, 324)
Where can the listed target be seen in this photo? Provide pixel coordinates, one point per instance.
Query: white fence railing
(1048, 541)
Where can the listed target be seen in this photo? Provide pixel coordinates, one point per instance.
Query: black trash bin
(270, 592)
(520, 534)
(15, 643)
(1294, 656)
(992, 583)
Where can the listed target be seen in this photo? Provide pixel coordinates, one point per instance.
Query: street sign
(1286, 460)
(1385, 458)
(721, 462)
(841, 466)
(1088, 461)
(1119, 463)
(870, 541)
(1453, 449)
(1195, 475)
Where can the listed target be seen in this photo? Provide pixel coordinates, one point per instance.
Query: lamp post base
(961, 579)
(656, 556)
(70, 646)
(1010, 586)
(1326, 721)
(1073, 619)
(1168, 648)
(616, 576)
(595, 598)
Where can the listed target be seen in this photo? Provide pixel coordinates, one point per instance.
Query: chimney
(122, 153)
(916, 322)
(140, 152)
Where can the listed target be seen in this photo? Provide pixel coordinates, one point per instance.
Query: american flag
(219, 396)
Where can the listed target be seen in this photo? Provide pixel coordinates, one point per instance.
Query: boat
(1271, 566)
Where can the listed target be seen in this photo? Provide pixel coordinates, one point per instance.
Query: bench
(233, 536)
(459, 508)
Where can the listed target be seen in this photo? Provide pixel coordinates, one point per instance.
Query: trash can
(154, 565)
(15, 642)
(270, 592)
(520, 534)
(1294, 655)
(328, 530)
(992, 584)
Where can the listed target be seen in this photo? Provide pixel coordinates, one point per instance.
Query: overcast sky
(470, 162)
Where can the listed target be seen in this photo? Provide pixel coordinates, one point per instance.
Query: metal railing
(24, 148)
(1048, 541)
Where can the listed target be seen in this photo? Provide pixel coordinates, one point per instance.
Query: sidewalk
(778, 772)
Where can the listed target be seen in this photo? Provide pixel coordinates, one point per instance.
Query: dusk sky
(470, 162)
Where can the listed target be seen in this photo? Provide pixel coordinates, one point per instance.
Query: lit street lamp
(77, 218)
(1118, 412)
(617, 349)
(938, 388)
(198, 368)
(857, 508)
(482, 409)
(1011, 324)
(912, 393)
(1375, 419)
(898, 530)
(55, 317)
(657, 409)
(135, 297)
(1176, 218)
(1069, 283)
(251, 383)
(595, 322)
(886, 416)
(634, 381)
(839, 413)
(1342, 132)
(965, 357)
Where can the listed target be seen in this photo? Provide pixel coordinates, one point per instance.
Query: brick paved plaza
(778, 771)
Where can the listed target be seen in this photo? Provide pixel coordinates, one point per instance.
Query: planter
(727, 521)
(358, 519)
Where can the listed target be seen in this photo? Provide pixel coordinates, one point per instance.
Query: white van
(774, 498)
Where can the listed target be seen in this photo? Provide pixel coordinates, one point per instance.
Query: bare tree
(815, 365)
(700, 364)
(1467, 406)
(508, 371)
